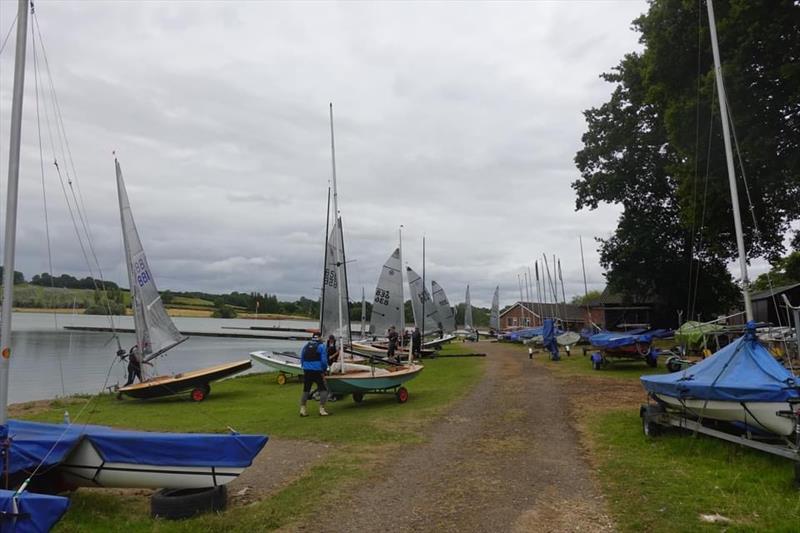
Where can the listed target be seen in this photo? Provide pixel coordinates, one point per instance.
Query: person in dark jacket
(314, 361)
(416, 343)
(134, 366)
(393, 338)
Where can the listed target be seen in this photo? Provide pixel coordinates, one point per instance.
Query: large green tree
(655, 149)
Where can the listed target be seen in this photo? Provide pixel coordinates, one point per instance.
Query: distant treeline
(115, 299)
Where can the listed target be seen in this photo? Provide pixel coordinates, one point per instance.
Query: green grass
(665, 483)
(257, 404)
(185, 300)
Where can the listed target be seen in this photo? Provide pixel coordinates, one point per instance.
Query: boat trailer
(655, 418)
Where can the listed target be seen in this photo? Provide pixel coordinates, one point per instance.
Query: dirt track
(504, 459)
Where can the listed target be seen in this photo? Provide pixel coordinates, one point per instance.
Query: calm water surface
(49, 361)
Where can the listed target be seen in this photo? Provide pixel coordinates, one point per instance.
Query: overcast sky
(459, 121)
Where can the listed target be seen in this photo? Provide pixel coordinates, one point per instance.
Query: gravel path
(506, 458)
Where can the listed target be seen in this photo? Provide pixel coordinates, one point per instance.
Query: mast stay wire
(77, 200)
(44, 203)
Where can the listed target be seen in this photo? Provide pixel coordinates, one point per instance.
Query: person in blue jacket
(314, 361)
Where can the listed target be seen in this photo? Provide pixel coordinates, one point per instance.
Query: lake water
(45, 356)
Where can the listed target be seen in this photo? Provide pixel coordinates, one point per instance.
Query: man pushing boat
(314, 361)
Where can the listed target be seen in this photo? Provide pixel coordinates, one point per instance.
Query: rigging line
(66, 153)
(701, 234)
(44, 198)
(696, 157)
(10, 29)
(751, 208)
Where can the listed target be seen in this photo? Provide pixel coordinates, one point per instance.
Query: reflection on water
(48, 361)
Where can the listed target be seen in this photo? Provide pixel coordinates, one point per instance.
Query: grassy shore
(668, 482)
(359, 435)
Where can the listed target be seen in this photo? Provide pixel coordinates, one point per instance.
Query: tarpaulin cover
(549, 337)
(608, 339)
(742, 371)
(693, 333)
(35, 513)
(32, 443)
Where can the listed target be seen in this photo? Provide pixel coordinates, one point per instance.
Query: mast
(11, 204)
(563, 293)
(527, 297)
(423, 292)
(539, 293)
(583, 266)
(363, 314)
(402, 288)
(339, 261)
(726, 135)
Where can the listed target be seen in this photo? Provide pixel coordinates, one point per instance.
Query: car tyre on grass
(176, 504)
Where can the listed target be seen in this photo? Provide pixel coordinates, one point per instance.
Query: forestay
(443, 309)
(334, 302)
(420, 294)
(387, 305)
(155, 331)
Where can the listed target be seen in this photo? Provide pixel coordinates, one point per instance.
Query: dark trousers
(311, 377)
(392, 348)
(133, 372)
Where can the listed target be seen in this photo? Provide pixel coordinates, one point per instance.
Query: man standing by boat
(314, 361)
(393, 337)
(134, 365)
(416, 343)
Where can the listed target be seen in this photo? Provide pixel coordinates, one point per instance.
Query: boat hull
(762, 415)
(84, 467)
(279, 362)
(371, 379)
(161, 386)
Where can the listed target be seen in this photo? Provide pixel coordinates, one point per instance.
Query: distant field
(185, 301)
(50, 297)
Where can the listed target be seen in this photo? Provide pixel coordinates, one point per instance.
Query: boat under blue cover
(34, 513)
(35, 443)
(743, 371)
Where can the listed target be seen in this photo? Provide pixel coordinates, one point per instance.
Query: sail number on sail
(382, 296)
(330, 277)
(140, 269)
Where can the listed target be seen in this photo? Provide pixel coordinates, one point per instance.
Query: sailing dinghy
(155, 331)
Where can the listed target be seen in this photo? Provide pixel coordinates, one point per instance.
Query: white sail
(332, 305)
(420, 294)
(447, 318)
(155, 331)
(494, 318)
(467, 312)
(387, 307)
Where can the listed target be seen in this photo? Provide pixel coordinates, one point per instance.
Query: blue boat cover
(609, 339)
(743, 371)
(549, 337)
(35, 443)
(35, 513)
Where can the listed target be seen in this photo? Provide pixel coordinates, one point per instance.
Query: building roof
(616, 299)
(574, 312)
(761, 295)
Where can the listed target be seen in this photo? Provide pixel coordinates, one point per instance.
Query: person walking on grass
(314, 361)
(416, 344)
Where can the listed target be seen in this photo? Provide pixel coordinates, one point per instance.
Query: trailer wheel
(358, 397)
(649, 426)
(673, 363)
(402, 395)
(199, 393)
(175, 504)
(281, 378)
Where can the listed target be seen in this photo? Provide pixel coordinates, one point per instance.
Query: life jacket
(310, 352)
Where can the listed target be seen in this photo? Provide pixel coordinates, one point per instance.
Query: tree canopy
(655, 148)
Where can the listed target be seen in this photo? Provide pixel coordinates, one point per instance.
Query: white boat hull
(762, 415)
(84, 467)
(278, 363)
